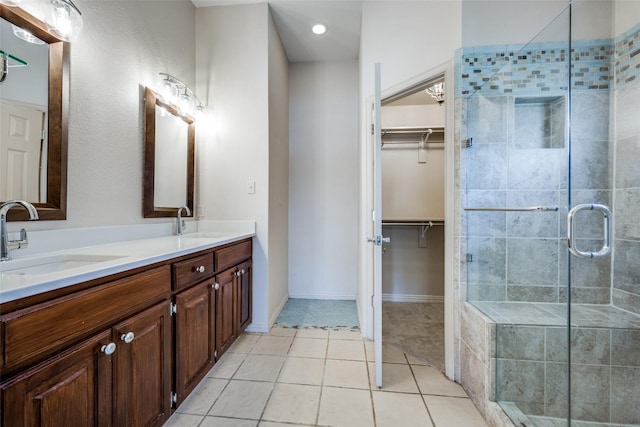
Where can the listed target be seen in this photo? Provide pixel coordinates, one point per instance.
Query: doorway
(413, 183)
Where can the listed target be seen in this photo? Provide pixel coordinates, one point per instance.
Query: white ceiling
(294, 19)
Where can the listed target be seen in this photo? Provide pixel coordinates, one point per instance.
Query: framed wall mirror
(169, 158)
(37, 173)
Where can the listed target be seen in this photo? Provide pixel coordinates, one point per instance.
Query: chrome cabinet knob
(216, 286)
(108, 348)
(242, 272)
(128, 337)
(199, 269)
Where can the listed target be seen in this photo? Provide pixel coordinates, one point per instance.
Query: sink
(51, 264)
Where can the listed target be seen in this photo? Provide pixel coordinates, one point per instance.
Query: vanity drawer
(233, 255)
(192, 271)
(38, 331)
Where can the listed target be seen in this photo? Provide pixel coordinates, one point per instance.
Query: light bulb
(63, 19)
(167, 91)
(319, 29)
(186, 105)
(25, 35)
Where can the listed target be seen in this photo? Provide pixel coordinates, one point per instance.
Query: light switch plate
(251, 187)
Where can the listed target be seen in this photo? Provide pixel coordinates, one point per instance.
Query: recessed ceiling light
(319, 29)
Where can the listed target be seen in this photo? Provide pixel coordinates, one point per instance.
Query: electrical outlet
(251, 187)
(201, 211)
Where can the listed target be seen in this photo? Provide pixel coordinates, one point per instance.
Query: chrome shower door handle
(571, 240)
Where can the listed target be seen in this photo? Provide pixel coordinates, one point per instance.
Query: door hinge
(174, 399)
(44, 134)
(173, 308)
(373, 128)
(372, 301)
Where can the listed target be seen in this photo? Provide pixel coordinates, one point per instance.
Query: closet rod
(403, 130)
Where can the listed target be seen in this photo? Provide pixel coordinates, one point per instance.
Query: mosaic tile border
(542, 67)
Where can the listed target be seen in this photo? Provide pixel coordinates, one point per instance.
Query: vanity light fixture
(173, 91)
(319, 29)
(437, 92)
(63, 18)
(25, 35)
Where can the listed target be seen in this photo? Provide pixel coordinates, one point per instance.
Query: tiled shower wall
(519, 157)
(626, 278)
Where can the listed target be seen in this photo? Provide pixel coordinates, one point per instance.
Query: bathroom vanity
(126, 348)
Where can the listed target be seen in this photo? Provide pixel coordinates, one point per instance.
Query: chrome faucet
(180, 224)
(5, 243)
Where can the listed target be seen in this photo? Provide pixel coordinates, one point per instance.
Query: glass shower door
(516, 182)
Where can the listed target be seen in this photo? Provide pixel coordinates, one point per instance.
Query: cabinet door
(70, 389)
(142, 368)
(244, 289)
(195, 336)
(225, 311)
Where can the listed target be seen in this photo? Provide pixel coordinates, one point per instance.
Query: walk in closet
(413, 159)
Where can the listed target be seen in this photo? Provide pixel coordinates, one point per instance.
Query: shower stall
(549, 208)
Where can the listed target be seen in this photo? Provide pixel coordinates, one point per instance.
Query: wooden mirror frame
(58, 117)
(148, 204)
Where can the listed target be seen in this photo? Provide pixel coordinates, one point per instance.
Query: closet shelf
(414, 222)
(412, 135)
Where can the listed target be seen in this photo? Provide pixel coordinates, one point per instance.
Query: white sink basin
(51, 264)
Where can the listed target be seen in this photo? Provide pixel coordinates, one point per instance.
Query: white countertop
(105, 259)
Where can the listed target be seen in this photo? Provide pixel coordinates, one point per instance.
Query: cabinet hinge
(174, 399)
(173, 308)
(215, 354)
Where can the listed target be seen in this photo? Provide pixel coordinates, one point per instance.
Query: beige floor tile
(346, 350)
(415, 361)
(227, 365)
(346, 373)
(391, 355)
(298, 370)
(244, 343)
(343, 407)
(345, 335)
(399, 409)
(242, 399)
(369, 350)
(183, 420)
(272, 424)
(282, 332)
(278, 346)
(293, 403)
(454, 412)
(395, 377)
(227, 422)
(432, 381)
(200, 400)
(308, 347)
(312, 333)
(260, 367)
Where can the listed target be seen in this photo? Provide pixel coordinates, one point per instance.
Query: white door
(377, 240)
(21, 131)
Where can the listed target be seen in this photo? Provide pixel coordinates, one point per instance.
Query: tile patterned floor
(311, 377)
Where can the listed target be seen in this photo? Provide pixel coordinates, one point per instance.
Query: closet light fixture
(437, 92)
(173, 91)
(319, 29)
(63, 19)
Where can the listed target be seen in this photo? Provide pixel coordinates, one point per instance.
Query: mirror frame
(149, 209)
(55, 207)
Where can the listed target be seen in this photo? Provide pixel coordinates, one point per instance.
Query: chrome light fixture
(63, 19)
(437, 92)
(174, 92)
(25, 35)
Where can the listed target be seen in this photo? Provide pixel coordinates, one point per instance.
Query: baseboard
(411, 298)
(314, 295)
(262, 328)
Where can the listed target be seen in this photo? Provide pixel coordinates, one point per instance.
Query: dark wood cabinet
(195, 336)
(122, 351)
(142, 368)
(245, 298)
(226, 328)
(70, 389)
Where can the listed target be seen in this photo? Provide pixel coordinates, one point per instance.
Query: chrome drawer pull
(199, 269)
